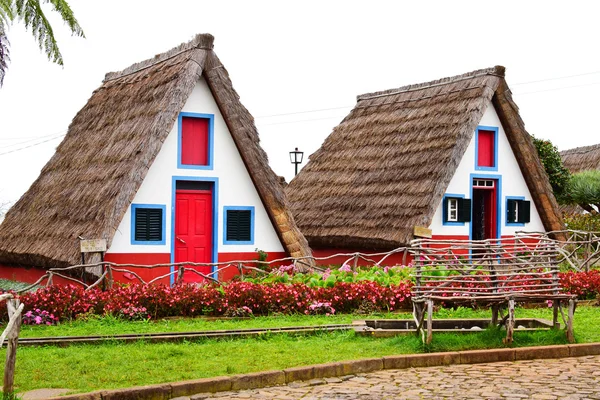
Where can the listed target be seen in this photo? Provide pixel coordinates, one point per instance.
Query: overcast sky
(298, 67)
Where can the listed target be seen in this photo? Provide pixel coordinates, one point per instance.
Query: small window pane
(452, 210)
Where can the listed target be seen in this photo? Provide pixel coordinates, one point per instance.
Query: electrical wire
(30, 146)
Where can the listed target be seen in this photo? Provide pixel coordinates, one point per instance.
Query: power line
(555, 79)
(304, 112)
(560, 88)
(56, 134)
(31, 145)
(302, 120)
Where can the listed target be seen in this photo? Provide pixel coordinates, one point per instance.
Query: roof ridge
(200, 41)
(581, 149)
(498, 70)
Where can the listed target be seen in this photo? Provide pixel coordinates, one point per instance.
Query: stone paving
(565, 379)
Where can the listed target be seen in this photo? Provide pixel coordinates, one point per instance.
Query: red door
(193, 230)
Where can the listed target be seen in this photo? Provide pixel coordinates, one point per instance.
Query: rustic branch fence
(11, 333)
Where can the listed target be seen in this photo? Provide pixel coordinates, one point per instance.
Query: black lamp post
(296, 158)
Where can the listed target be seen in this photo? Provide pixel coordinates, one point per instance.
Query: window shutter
(464, 210)
(239, 225)
(524, 211)
(148, 224)
(510, 208)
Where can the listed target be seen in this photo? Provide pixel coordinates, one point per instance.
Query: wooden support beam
(11, 350)
(510, 322)
(429, 321)
(570, 334)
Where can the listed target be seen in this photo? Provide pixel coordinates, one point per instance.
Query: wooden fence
(576, 250)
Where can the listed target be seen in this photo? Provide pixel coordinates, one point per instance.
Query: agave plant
(584, 190)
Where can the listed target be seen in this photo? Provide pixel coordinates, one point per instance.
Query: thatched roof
(582, 158)
(87, 186)
(385, 167)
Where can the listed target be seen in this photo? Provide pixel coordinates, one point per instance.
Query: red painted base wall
(28, 275)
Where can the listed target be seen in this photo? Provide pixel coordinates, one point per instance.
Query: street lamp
(296, 158)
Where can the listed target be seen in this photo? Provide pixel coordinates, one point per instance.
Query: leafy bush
(583, 222)
(384, 276)
(586, 285)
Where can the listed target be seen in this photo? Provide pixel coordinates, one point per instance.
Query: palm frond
(30, 12)
(67, 15)
(4, 51)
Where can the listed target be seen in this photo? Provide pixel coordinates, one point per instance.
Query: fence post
(11, 350)
(355, 262)
(180, 272)
(239, 266)
(109, 277)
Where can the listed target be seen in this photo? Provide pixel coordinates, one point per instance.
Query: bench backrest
(486, 268)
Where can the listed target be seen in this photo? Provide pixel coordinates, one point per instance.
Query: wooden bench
(497, 273)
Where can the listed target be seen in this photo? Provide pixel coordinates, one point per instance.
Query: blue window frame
(454, 209)
(238, 225)
(495, 150)
(211, 141)
(148, 224)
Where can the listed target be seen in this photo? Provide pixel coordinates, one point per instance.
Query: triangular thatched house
(581, 158)
(450, 155)
(163, 162)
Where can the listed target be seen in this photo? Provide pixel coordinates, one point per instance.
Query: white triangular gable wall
(235, 188)
(513, 183)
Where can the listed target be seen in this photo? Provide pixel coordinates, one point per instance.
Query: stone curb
(257, 380)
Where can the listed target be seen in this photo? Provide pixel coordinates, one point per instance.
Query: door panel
(193, 230)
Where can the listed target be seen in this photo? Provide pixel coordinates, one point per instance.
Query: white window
(452, 210)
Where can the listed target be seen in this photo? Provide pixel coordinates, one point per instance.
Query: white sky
(289, 58)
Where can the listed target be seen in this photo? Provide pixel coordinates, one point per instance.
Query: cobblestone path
(566, 378)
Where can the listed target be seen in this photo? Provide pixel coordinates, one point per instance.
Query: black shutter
(464, 210)
(511, 206)
(148, 224)
(239, 227)
(524, 211)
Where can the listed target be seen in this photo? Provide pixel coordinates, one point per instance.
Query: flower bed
(343, 293)
(137, 302)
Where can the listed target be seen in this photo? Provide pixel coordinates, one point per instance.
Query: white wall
(513, 183)
(235, 186)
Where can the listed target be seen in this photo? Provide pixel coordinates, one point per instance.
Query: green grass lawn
(114, 365)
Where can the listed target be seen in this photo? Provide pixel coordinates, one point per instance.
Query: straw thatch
(87, 186)
(385, 167)
(581, 158)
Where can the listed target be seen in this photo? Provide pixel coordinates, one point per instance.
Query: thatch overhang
(385, 167)
(581, 158)
(87, 186)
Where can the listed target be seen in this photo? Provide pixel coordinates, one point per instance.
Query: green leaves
(31, 13)
(550, 157)
(584, 189)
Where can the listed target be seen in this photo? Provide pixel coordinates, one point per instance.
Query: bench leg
(429, 321)
(418, 316)
(555, 306)
(570, 335)
(510, 322)
(495, 314)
